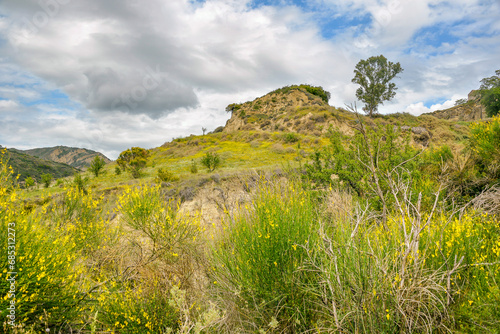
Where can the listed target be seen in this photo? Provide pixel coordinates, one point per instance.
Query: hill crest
(76, 157)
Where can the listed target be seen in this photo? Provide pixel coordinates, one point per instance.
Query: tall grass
(256, 262)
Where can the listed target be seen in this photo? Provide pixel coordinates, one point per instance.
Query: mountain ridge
(73, 156)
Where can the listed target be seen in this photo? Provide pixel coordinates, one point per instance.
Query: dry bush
(488, 201)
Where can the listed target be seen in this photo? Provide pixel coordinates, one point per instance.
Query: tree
(46, 179)
(97, 165)
(374, 75)
(211, 161)
(490, 94)
(491, 82)
(491, 101)
(133, 160)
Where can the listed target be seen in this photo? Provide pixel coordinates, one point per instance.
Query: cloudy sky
(111, 74)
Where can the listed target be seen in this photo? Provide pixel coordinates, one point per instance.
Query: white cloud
(419, 108)
(7, 104)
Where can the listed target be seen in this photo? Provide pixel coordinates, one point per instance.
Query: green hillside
(26, 165)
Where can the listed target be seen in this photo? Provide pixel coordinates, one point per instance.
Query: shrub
(118, 170)
(290, 137)
(29, 182)
(80, 182)
(133, 160)
(256, 263)
(485, 140)
(46, 180)
(166, 175)
(42, 265)
(211, 161)
(97, 165)
(194, 167)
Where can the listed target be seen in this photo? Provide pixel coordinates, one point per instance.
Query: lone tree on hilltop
(134, 160)
(374, 75)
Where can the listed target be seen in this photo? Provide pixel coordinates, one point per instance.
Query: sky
(111, 74)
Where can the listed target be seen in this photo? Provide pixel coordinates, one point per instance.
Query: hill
(26, 165)
(76, 157)
(472, 110)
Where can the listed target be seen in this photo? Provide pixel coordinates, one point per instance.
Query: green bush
(256, 264)
(194, 167)
(46, 180)
(211, 161)
(290, 137)
(166, 175)
(29, 182)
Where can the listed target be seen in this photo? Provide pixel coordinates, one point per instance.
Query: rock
(418, 130)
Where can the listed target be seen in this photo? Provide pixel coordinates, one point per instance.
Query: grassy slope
(26, 165)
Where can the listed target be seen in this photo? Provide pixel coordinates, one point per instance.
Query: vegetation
(490, 94)
(314, 90)
(46, 180)
(26, 165)
(166, 176)
(374, 75)
(133, 160)
(29, 182)
(211, 161)
(97, 165)
(491, 101)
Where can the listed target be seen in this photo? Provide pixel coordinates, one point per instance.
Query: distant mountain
(77, 157)
(26, 165)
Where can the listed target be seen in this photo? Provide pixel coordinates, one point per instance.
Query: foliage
(211, 161)
(118, 170)
(46, 179)
(97, 165)
(460, 102)
(374, 75)
(133, 160)
(233, 107)
(29, 182)
(364, 162)
(80, 182)
(194, 167)
(256, 264)
(314, 90)
(485, 142)
(290, 137)
(491, 82)
(491, 101)
(44, 277)
(166, 175)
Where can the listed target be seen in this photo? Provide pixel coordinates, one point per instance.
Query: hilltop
(76, 157)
